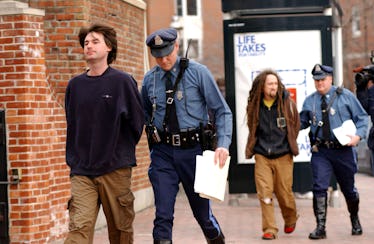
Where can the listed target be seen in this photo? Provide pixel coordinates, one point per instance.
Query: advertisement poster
(292, 54)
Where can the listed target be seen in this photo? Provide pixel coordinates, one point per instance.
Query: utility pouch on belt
(208, 137)
(315, 142)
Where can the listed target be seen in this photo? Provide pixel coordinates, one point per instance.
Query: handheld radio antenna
(184, 61)
(188, 47)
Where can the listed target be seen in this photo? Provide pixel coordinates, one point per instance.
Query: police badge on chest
(179, 95)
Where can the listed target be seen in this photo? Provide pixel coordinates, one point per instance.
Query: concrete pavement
(241, 222)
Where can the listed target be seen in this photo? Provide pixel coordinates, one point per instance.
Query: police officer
(176, 115)
(323, 111)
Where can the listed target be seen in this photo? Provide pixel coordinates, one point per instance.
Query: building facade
(358, 36)
(198, 21)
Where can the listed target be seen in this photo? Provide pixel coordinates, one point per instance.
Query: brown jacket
(293, 126)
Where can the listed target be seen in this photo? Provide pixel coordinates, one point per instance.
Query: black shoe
(318, 233)
(162, 242)
(356, 226)
(218, 240)
(353, 206)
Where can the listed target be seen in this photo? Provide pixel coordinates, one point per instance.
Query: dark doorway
(4, 219)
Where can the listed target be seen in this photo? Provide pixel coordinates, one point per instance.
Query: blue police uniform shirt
(344, 107)
(196, 93)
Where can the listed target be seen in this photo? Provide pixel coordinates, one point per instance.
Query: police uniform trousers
(170, 166)
(341, 162)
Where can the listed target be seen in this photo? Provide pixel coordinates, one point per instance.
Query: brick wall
(64, 57)
(213, 38)
(35, 131)
(356, 49)
(39, 53)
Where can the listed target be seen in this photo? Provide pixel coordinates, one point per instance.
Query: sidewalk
(241, 223)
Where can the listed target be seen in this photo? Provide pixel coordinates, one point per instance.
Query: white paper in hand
(210, 180)
(343, 132)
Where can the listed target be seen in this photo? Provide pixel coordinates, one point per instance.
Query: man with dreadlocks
(273, 123)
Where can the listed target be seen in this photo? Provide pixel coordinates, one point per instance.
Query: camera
(364, 74)
(362, 78)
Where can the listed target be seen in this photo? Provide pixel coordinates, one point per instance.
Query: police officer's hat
(161, 42)
(319, 71)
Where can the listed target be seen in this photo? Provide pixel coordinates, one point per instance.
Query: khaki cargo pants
(275, 176)
(113, 192)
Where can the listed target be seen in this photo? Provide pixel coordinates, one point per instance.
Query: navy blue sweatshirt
(104, 122)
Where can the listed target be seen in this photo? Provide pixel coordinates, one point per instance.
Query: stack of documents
(344, 132)
(210, 179)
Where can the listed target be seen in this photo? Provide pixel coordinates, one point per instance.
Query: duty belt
(330, 144)
(185, 138)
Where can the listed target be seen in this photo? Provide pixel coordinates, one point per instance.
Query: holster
(208, 137)
(152, 135)
(315, 142)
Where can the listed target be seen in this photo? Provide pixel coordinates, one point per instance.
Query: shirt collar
(174, 70)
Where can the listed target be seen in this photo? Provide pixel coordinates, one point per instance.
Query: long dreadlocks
(256, 94)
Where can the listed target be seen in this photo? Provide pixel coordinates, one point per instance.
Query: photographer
(364, 80)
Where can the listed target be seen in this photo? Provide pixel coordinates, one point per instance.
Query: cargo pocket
(126, 211)
(72, 215)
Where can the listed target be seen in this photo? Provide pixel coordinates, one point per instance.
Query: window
(356, 29)
(187, 20)
(186, 7)
(191, 7)
(179, 4)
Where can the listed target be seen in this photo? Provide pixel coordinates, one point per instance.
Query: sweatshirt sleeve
(134, 114)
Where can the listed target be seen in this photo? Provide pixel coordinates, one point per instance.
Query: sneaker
(289, 229)
(268, 236)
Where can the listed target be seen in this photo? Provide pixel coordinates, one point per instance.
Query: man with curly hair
(104, 123)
